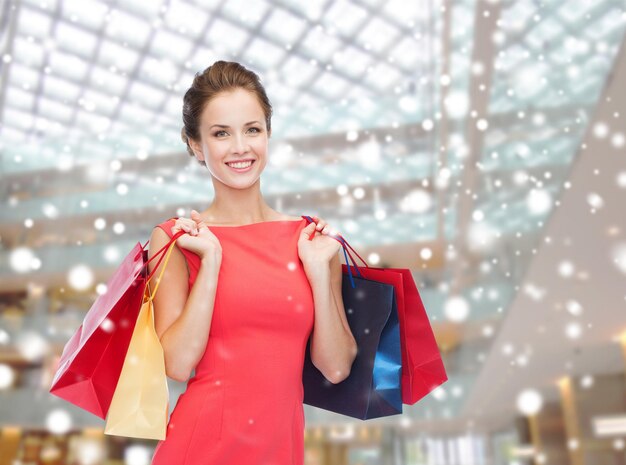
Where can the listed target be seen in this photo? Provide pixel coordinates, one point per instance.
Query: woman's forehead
(219, 110)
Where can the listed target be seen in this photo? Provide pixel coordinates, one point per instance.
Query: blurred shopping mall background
(480, 143)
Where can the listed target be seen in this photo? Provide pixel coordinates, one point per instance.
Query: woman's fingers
(187, 225)
(198, 222)
(195, 216)
(192, 225)
(323, 227)
(320, 223)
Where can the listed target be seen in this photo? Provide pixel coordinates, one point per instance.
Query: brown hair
(219, 77)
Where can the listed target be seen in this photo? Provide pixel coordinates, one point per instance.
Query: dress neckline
(257, 223)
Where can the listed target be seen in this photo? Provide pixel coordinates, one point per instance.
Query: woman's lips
(241, 170)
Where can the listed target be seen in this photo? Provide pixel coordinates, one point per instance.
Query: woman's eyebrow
(225, 126)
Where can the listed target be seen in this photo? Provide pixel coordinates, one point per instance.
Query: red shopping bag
(92, 359)
(422, 366)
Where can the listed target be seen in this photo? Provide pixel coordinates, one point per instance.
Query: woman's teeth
(240, 165)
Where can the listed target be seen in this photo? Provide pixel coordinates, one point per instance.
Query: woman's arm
(185, 340)
(333, 347)
(182, 321)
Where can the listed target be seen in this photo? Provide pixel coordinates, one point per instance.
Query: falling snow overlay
(482, 144)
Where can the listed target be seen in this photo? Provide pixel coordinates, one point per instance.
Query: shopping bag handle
(172, 240)
(344, 243)
(151, 294)
(160, 251)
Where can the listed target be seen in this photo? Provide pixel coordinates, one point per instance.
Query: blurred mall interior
(479, 143)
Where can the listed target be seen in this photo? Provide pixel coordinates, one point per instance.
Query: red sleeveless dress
(244, 404)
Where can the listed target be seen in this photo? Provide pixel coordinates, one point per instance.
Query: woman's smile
(241, 167)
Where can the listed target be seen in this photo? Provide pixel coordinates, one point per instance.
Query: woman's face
(233, 129)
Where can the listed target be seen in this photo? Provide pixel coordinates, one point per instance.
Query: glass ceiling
(91, 114)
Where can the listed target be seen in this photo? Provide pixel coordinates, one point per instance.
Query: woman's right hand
(199, 238)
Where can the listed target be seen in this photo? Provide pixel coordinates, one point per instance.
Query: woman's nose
(240, 144)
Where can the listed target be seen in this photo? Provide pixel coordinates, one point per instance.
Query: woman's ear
(197, 149)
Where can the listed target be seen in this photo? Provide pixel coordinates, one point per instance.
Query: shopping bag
(372, 389)
(140, 404)
(93, 357)
(422, 367)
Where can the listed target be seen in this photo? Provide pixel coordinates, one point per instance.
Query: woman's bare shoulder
(292, 218)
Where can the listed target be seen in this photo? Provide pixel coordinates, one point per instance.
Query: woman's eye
(219, 133)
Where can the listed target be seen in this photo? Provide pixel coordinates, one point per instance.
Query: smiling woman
(228, 138)
(246, 344)
(221, 77)
(236, 139)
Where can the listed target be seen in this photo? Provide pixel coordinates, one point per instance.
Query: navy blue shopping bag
(373, 388)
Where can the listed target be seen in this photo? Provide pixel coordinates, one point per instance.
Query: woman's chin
(238, 183)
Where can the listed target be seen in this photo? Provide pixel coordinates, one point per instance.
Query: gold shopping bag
(140, 404)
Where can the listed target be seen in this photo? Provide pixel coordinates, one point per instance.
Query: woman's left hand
(322, 247)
